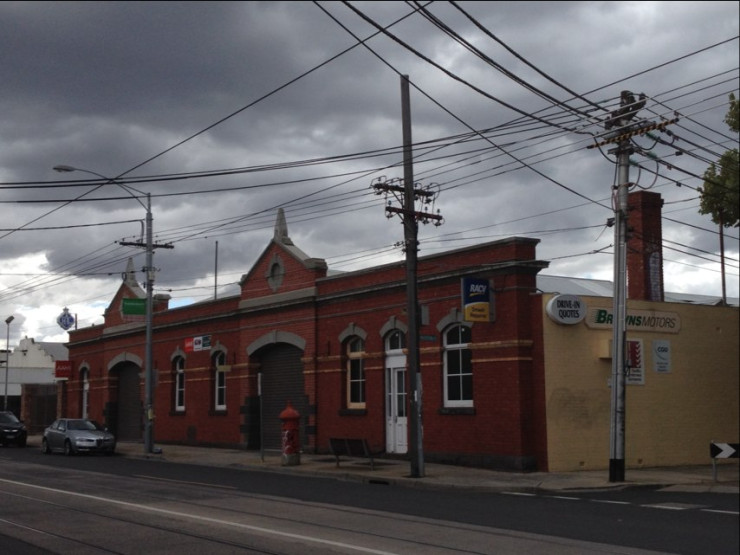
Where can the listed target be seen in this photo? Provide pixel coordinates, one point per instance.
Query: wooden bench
(349, 447)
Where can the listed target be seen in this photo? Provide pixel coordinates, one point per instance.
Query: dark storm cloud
(108, 86)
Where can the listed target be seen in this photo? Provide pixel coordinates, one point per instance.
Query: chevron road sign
(724, 450)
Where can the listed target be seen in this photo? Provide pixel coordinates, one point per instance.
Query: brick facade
(287, 301)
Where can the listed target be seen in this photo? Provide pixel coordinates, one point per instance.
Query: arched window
(395, 341)
(219, 379)
(458, 367)
(178, 383)
(354, 352)
(85, 383)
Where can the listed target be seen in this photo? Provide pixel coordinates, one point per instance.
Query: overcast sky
(233, 109)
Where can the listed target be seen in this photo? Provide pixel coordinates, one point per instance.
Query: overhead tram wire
(442, 69)
(488, 60)
(449, 112)
(72, 226)
(524, 60)
(189, 138)
(57, 277)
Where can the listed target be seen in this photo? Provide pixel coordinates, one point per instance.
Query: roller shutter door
(282, 381)
(129, 414)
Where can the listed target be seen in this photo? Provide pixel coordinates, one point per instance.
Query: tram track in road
(128, 521)
(239, 506)
(221, 524)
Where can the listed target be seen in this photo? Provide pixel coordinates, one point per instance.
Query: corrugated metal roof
(605, 288)
(57, 351)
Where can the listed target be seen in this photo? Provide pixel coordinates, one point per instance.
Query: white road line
(672, 506)
(721, 512)
(341, 545)
(610, 502)
(182, 482)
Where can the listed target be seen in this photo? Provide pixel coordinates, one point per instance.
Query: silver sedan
(77, 435)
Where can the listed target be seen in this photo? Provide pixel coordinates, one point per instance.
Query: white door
(396, 405)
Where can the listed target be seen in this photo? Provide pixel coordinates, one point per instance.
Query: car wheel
(23, 442)
(45, 447)
(68, 448)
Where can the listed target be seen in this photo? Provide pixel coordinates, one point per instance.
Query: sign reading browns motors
(642, 320)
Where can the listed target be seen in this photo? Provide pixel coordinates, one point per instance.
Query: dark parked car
(12, 430)
(77, 435)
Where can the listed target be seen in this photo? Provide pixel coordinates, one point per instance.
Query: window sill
(353, 412)
(457, 410)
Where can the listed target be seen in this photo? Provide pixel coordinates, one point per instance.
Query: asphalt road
(124, 505)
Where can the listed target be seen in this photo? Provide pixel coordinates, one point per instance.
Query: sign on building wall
(134, 310)
(635, 363)
(566, 309)
(662, 356)
(476, 300)
(62, 369)
(637, 320)
(199, 343)
(134, 307)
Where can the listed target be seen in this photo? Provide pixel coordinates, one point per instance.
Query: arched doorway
(125, 414)
(282, 380)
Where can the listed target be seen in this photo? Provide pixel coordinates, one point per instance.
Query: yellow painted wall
(672, 418)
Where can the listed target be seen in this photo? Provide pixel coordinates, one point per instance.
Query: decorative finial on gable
(281, 229)
(129, 276)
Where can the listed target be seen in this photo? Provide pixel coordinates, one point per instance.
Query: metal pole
(262, 417)
(149, 375)
(722, 255)
(8, 320)
(410, 227)
(618, 408)
(149, 269)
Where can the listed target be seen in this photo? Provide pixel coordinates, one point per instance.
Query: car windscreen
(81, 425)
(8, 418)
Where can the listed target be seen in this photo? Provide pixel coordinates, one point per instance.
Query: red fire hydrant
(291, 436)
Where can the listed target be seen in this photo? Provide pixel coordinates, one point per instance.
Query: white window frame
(462, 352)
(85, 382)
(179, 370)
(355, 353)
(219, 381)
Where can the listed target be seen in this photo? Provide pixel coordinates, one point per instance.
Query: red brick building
(332, 345)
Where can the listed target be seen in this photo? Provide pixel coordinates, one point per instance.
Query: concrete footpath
(391, 471)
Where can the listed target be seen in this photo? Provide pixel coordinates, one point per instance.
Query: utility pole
(149, 271)
(148, 361)
(408, 194)
(620, 131)
(620, 119)
(619, 339)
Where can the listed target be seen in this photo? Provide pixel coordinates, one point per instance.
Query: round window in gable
(276, 274)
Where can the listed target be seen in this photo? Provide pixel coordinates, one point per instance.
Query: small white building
(31, 384)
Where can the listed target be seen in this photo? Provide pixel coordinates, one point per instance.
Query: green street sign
(134, 307)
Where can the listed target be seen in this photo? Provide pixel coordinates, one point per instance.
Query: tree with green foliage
(719, 195)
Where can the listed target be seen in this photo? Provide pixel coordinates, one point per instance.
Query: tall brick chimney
(644, 246)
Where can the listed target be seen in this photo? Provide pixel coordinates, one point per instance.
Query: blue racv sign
(476, 300)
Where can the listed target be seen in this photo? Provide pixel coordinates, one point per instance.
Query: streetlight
(149, 381)
(8, 320)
